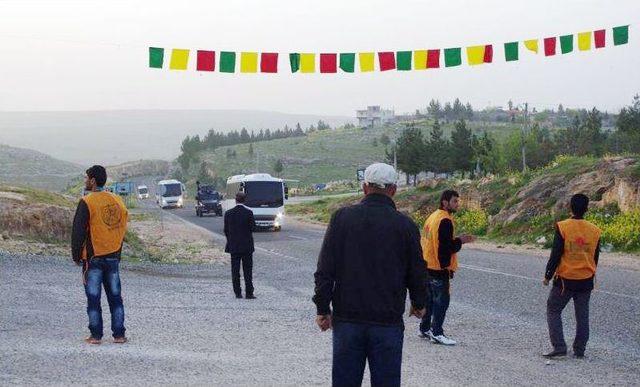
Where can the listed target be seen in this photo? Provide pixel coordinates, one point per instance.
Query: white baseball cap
(380, 175)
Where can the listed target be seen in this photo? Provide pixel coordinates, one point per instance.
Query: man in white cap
(370, 256)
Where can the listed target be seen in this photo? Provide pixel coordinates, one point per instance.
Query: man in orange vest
(439, 248)
(99, 226)
(572, 265)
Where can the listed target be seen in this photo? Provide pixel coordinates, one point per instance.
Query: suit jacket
(238, 228)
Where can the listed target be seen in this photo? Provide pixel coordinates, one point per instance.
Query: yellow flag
(367, 60)
(308, 63)
(179, 59)
(475, 55)
(532, 45)
(248, 62)
(420, 59)
(584, 41)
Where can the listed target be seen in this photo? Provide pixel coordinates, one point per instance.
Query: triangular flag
(584, 41)
(248, 62)
(511, 51)
(367, 60)
(269, 62)
(156, 57)
(206, 60)
(227, 62)
(387, 60)
(550, 46)
(475, 55)
(620, 35)
(566, 44)
(433, 59)
(452, 57)
(420, 59)
(179, 59)
(294, 59)
(403, 59)
(308, 63)
(328, 63)
(348, 62)
(599, 38)
(531, 45)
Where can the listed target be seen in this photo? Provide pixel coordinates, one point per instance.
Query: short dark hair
(99, 173)
(241, 197)
(447, 195)
(579, 204)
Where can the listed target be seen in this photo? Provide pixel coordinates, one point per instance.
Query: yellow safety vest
(107, 223)
(430, 242)
(580, 243)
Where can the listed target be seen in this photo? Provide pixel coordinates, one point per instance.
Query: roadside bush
(622, 230)
(470, 221)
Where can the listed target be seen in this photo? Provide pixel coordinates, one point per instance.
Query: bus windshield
(171, 190)
(264, 194)
(143, 190)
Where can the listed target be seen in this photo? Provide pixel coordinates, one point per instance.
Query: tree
(244, 136)
(384, 139)
(468, 111)
(628, 124)
(203, 174)
(458, 110)
(437, 150)
(461, 148)
(485, 155)
(448, 112)
(375, 141)
(410, 150)
(561, 110)
(435, 109)
(278, 167)
(251, 149)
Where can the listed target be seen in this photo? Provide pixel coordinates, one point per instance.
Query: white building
(374, 116)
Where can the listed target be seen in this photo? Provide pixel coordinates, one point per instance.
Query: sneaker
(92, 340)
(578, 355)
(238, 295)
(250, 297)
(120, 340)
(427, 335)
(555, 353)
(444, 340)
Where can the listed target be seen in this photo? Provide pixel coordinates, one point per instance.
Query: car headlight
(179, 200)
(280, 215)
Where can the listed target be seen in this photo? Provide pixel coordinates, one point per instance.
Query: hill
(114, 137)
(35, 169)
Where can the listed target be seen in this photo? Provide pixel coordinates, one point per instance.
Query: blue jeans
(437, 305)
(104, 272)
(355, 343)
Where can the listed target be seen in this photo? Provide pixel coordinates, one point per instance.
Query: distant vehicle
(169, 193)
(208, 201)
(265, 197)
(143, 192)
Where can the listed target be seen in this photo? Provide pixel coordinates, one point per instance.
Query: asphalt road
(187, 328)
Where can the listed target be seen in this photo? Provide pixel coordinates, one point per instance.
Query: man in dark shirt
(238, 228)
(572, 265)
(369, 258)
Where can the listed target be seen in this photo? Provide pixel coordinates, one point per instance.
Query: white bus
(169, 193)
(265, 197)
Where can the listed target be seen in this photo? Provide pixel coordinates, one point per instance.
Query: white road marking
(298, 237)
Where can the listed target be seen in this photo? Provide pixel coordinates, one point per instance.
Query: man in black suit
(238, 228)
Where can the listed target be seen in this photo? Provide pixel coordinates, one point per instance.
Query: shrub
(471, 221)
(622, 230)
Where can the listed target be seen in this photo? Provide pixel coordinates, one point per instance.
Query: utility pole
(525, 130)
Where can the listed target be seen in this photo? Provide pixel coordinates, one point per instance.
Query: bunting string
(345, 62)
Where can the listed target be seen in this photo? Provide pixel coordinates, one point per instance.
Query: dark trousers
(558, 299)
(356, 343)
(104, 272)
(437, 304)
(247, 271)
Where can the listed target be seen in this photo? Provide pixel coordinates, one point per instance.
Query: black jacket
(238, 228)
(370, 256)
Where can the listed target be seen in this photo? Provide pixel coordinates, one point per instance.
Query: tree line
(480, 153)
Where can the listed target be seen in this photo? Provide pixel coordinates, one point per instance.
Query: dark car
(208, 201)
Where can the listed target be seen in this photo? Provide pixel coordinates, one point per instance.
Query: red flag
(206, 60)
(550, 46)
(328, 63)
(387, 60)
(269, 62)
(488, 53)
(599, 37)
(433, 59)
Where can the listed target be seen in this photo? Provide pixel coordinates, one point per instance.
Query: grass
(34, 195)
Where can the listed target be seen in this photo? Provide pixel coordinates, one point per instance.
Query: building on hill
(374, 116)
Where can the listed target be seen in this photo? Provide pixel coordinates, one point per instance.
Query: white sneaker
(444, 340)
(427, 335)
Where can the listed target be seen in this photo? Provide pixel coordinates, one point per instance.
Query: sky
(93, 55)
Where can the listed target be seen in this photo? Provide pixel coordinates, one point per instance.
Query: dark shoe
(120, 340)
(238, 295)
(92, 340)
(250, 297)
(555, 353)
(578, 355)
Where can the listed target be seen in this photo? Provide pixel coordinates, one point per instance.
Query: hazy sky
(92, 55)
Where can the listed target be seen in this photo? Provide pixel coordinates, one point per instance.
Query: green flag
(403, 60)
(620, 35)
(294, 59)
(566, 44)
(511, 51)
(227, 62)
(156, 57)
(452, 57)
(348, 62)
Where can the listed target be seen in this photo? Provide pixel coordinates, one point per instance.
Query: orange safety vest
(430, 242)
(580, 242)
(107, 223)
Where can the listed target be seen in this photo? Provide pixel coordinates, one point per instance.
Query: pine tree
(461, 148)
